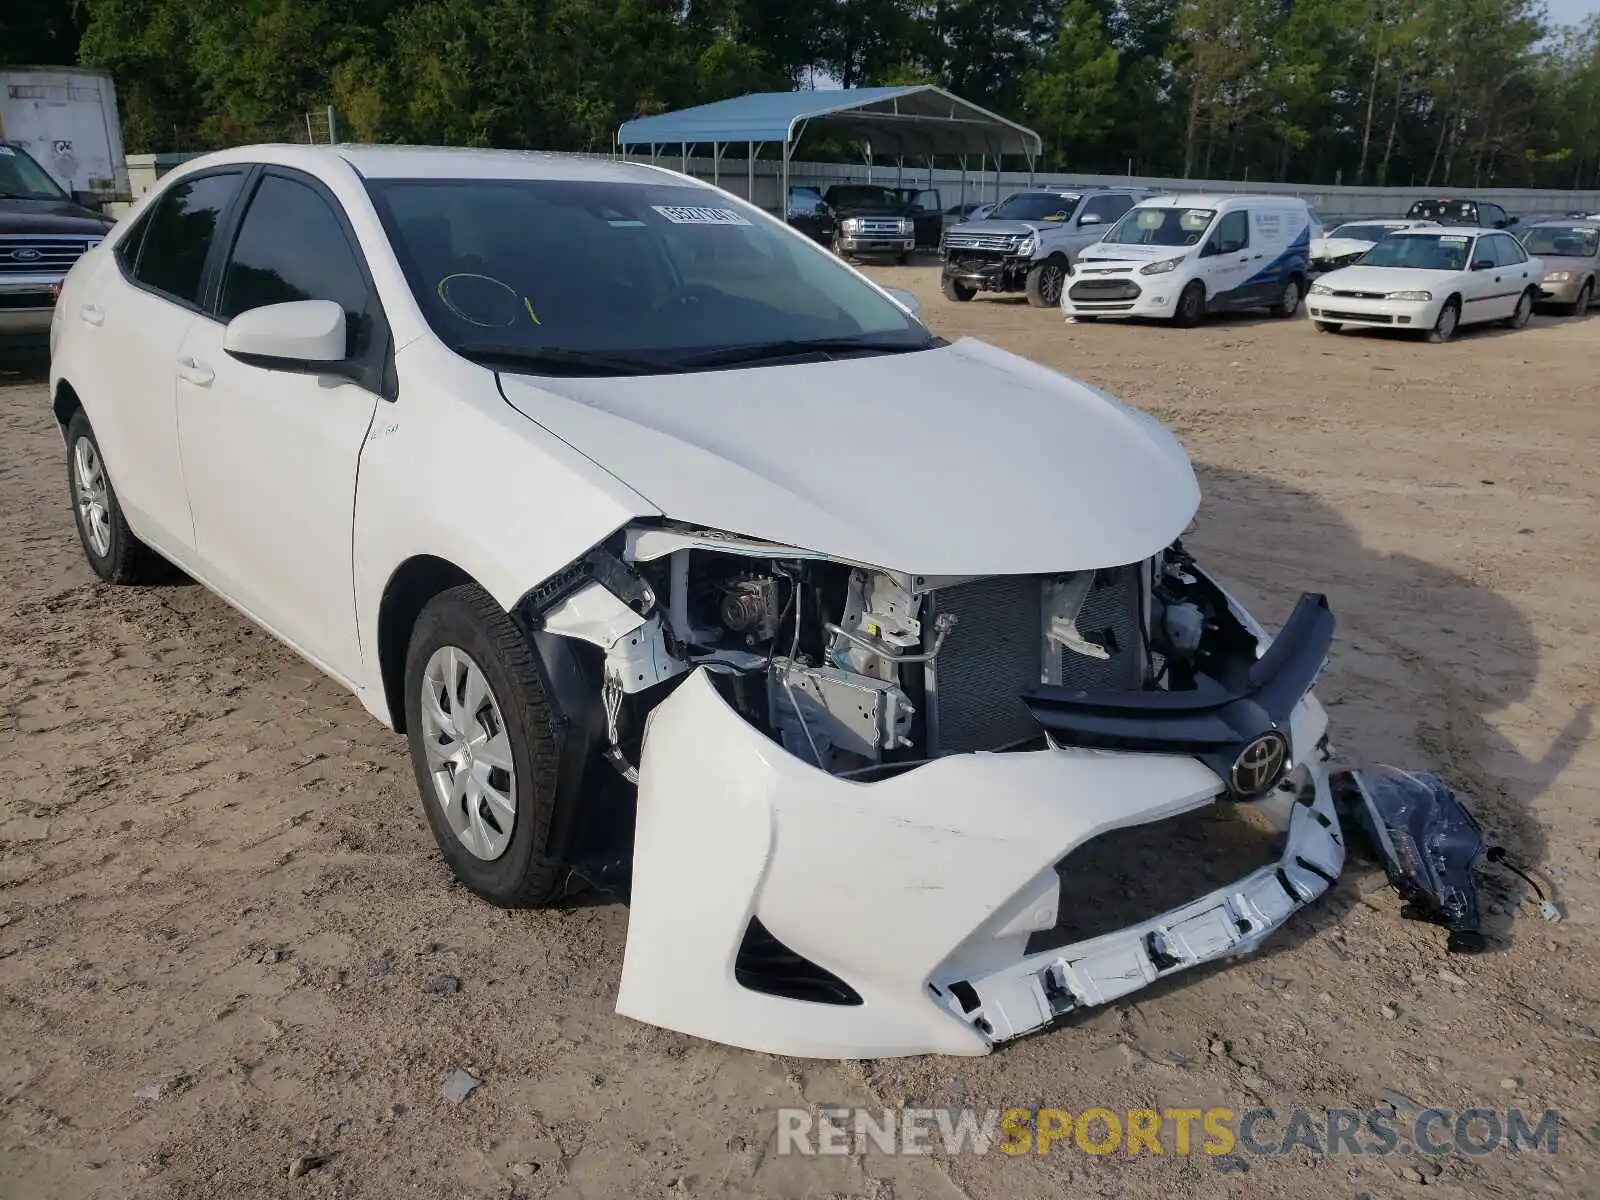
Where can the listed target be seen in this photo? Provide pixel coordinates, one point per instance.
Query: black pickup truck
(43, 231)
(873, 220)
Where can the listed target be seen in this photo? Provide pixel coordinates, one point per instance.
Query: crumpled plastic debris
(1428, 842)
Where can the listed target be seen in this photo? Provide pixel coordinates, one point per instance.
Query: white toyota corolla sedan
(691, 562)
(1431, 280)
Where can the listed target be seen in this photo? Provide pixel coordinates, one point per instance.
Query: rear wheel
(954, 289)
(1523, 312)
(479, 722)
(1045, 281)
(114, 553)
(1327, 326)
(1191, 305)
(1444, 328)
(1289, 303)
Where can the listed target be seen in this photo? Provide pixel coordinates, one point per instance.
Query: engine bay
(863, 672)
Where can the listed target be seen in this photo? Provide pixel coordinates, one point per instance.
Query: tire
(1443, 330)
(1045, 282)
(1191, 305)
(1580, 307)
(1289, 303)
(458, 631)
(114, 553)
(1327, 326)
(838, 248)
(1085, 320)
(902, 259)
(954, 289)
(1523, 314)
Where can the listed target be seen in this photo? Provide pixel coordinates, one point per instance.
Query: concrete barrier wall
(765, 174)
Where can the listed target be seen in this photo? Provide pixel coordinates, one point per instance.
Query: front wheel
(1444, 328)
(954, 289)
(838, 248)
(1524, 311)
(1191, 305)
(1289, 303)
(1045, 282)
(480, 726)
(114, 553)
(1580, 306)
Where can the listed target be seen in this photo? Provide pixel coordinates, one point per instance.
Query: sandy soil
(226, 941)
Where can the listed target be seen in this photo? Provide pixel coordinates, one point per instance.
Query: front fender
(452, 471)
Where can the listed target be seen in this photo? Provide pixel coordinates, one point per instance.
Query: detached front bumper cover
(782, 909)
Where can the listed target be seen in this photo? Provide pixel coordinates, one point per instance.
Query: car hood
(1339, 247)
(1015, 228)
(49, 216)
(1130, 252)
(1384, 279)
(962, 460)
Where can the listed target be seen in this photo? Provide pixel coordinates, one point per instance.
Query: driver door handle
(196, 372)
(92, 314)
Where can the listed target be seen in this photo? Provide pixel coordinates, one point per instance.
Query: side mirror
(1483, 264)
(305, 336)
(89, 200)
(1510, 221)
(906, 300)
(1089, 219)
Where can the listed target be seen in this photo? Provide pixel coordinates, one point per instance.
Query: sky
(1571, 12)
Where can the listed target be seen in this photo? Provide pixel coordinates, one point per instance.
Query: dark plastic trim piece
(1210, 721)
(766, 965)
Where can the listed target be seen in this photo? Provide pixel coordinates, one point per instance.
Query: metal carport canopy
(917, 120)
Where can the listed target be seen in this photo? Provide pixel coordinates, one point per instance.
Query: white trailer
(66, 118)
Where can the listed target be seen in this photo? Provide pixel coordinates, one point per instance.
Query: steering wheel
(689, 299)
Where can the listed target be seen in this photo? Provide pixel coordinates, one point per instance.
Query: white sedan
(693, 565)
(1430, 280)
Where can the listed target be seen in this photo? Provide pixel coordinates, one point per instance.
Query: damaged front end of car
(879, 813)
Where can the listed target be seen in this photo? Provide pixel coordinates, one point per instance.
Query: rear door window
(180, 232)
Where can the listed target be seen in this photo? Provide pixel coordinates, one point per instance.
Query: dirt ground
(226, 940)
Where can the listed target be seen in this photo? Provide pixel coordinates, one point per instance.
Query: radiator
(997, 651)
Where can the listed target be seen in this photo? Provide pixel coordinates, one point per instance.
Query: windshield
(1160, 227)
(1358, 232)
(1035, 206)
(852, 196)
(652, 277)
(23, 179)
(1567, 241)
(1465, 211)
(1421, 252)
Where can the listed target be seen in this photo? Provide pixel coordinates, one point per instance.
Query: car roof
(1446, 231)
(1201, 200)
(1565, 223)
(433, 162)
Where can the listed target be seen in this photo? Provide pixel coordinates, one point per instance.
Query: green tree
(1071, 96)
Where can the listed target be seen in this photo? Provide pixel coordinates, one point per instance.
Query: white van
(1180, 257)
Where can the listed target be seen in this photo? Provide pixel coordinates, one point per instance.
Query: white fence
(765, 174)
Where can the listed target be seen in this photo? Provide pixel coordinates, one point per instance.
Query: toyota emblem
(1259, 766)
(26, 254)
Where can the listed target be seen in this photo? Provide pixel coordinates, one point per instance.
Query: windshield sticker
(5, 151)
(626, 224)
(1452, 239)
(680, 215)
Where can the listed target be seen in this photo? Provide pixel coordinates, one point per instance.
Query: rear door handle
(196, 372)
(92, 314)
